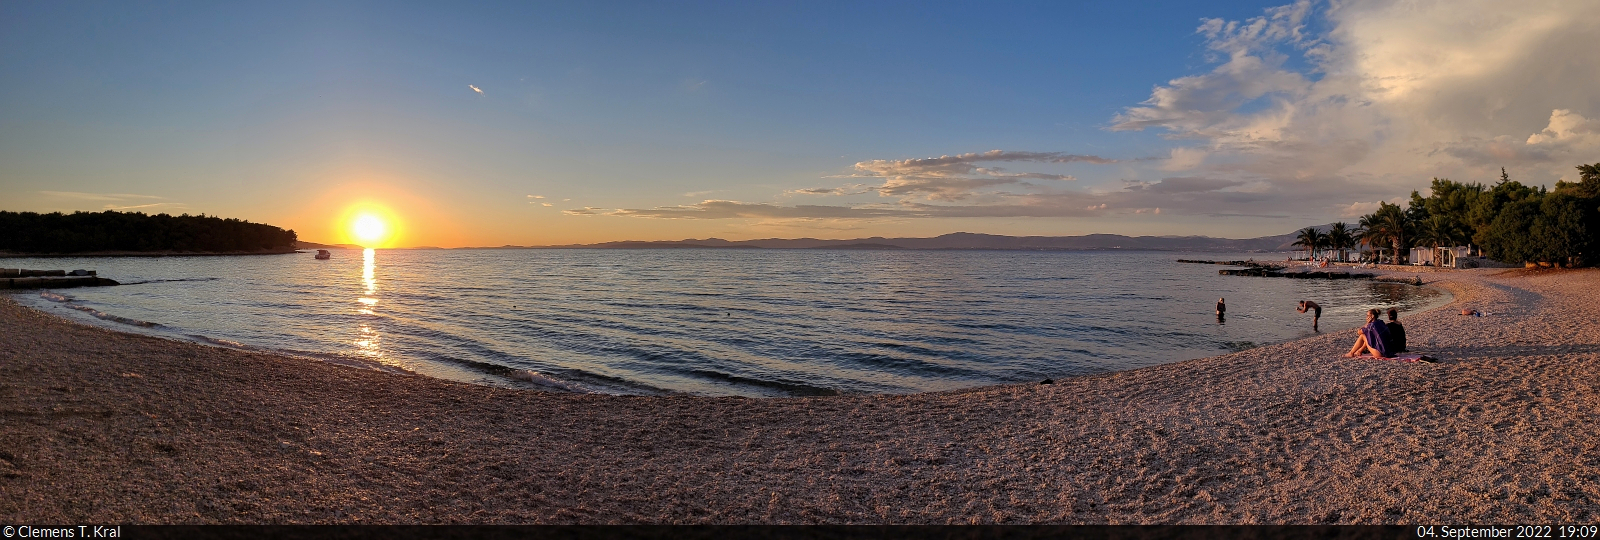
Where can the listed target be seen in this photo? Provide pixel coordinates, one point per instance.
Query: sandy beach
(98, 427)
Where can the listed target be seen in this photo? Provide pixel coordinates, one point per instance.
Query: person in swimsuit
(1371, 339)
(1222, 309)
(1316, 312)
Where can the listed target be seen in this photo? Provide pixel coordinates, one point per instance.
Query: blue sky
(517, 123)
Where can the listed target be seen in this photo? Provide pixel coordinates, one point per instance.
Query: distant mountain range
(962, 240)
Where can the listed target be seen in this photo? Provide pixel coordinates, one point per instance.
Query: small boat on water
(323, 254)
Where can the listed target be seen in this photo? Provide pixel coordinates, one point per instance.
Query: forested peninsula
(136, 232)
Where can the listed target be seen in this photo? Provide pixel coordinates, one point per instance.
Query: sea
(718, 322)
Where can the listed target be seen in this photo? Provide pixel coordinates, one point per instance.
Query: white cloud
(1358, 209)
(475, 89)
(1391, 94)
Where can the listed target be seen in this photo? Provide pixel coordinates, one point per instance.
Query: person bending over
(1397, 334)
(1371, 339)
(1316, 312)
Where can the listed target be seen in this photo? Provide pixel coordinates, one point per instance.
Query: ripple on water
(720, 322)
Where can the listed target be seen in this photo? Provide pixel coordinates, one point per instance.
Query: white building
(1446, 257)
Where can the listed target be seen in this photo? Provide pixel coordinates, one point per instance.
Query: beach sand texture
(98, 426)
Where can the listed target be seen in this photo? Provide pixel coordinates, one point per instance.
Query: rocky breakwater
(19, 278)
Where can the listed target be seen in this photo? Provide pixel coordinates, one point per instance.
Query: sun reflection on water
(367, 343)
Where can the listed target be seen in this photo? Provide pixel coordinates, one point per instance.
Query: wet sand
(98, 426)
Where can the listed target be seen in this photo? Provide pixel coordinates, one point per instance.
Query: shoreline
(102, 254)
(197, 434)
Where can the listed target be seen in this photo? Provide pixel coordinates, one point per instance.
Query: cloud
(114, 201)
(1358, 209)
(475, 89)
(721, 209)
(856, 189)
(536, 196)
(138, 206)
(957, 178)
(97, 196)
(585, 211)
(1367, 99)
(1185, 185)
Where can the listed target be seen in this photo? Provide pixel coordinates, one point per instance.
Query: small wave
(169, 280)
(220, 342)
(792, 388)
(524, 375)
(66, 301)
(338, 359)
(540, 379)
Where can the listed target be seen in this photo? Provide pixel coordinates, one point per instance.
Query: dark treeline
(30, 232)
(1509, 221)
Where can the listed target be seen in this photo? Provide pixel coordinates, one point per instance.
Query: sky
(487, 124)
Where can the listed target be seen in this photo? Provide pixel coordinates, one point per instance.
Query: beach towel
(1377, 335)
(1413, 357)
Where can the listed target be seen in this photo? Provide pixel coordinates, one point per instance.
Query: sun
(369, 229)
(370, 225)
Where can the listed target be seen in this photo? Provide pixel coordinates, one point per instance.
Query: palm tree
(1372, 235)
(1387, 226)
(1434, 232)
(1312, 239)
(1341, 237)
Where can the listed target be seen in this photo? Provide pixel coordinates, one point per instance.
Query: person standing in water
(1222, 309)
(1316, 312)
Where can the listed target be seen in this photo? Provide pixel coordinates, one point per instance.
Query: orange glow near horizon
(369, 225)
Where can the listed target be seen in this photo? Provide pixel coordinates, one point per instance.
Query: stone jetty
(20, 278)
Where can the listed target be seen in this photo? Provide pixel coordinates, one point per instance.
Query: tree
(1388, 225)
(1435, 231)
(1341, 237)
(1312, 240)
(30, 232)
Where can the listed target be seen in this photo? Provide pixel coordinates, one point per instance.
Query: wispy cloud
(98, 196)
(114, 201)
(475, 89)
(959, 177)
(137, 206)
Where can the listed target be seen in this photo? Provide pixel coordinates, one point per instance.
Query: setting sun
(369, 225)
(368, 229)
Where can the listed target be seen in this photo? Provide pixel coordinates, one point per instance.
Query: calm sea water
(718, 322)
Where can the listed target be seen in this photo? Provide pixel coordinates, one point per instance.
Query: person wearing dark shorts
(1316, 312)
(1397, 333)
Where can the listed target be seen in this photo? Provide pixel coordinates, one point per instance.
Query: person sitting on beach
(1397, 333)
(1371, 339)
(1316, 312)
